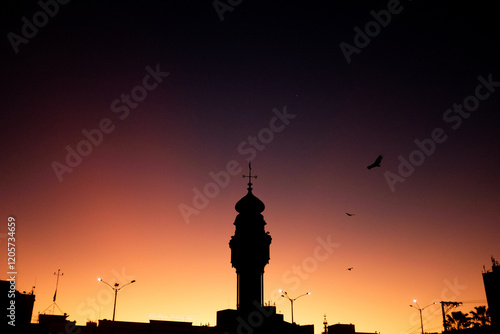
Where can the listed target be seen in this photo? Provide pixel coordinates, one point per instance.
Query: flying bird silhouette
(376, 163)
(349, 214)
(350, 268)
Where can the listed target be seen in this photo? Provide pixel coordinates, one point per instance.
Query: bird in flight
(349, 214)
(350, 268)
(376, 163)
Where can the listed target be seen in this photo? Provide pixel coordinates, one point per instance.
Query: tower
(249, 249)
(249, 255)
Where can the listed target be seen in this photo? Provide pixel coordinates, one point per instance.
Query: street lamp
(420, 310)
(116, 288)
(284, 294)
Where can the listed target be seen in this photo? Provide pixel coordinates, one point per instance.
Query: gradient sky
(117, 214)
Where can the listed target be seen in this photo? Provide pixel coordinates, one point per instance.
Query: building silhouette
(491, 280)
(250, 253)
(21, 311)
(55, 323)
(344, 329)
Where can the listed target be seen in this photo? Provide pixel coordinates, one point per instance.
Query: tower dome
(249, 203)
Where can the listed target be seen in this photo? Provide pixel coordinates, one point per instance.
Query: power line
(432, 316)
(416, 328)
(411, 330)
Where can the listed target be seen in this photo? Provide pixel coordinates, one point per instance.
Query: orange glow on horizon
(182, 272)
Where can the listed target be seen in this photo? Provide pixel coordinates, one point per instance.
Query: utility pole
(445, 307)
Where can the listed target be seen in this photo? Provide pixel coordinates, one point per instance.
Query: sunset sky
(126, 127)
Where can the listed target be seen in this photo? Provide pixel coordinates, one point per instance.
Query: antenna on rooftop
(54, 305)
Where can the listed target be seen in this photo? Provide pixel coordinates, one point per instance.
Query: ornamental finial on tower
(249, 203)
(250, 175)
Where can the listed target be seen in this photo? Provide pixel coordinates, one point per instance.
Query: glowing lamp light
(285, 295)
(420, 311)
(115, 289)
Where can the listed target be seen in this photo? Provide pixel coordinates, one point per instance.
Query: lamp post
(284, 294)
(115, 288)
(420, 310)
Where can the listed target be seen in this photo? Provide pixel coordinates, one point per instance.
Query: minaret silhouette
(249, 249)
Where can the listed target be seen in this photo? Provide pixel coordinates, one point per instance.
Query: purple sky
(270, 82)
